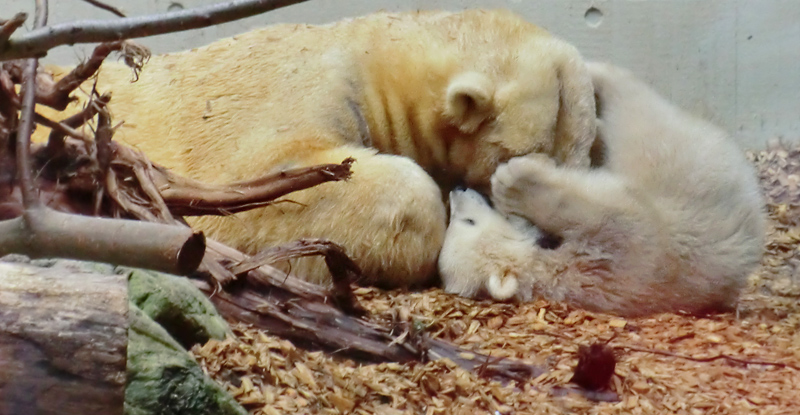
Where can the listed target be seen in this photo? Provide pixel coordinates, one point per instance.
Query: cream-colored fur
(485, 253)
(672, 221)
(457, 93)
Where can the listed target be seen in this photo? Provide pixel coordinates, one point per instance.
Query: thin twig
(38, 42)
(29, 197)
(58, 130)
(10, 26)
(709, 358)
(60, 127)
(58, 97)
(106, 7)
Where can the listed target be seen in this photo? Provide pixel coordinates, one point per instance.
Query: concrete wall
(736, 62)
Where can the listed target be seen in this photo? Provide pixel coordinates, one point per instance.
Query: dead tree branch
(709, 358)
(43, 232)
(55, 141)
(106, 7)
(29, 200)
(58, 96)
(305, 313)
(38, 42)
(186, 197)
(8, 27)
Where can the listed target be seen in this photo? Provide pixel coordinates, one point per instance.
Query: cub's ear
(502, 288)
(575, 127)
(469, 101)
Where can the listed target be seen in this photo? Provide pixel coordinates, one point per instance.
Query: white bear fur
(486, 253)
(673, 220)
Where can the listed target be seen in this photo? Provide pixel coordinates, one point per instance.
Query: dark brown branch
(106, 7)
(58, 97)
(483, 365)
(709, 358)
(186, 197)
(102, 141)
(61, 128)
(47, 233)
(343, 270)
(321, 325)
(38, 42)
(9, 119)
(55, 141)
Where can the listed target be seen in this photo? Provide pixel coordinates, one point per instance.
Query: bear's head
(485, 252)
(534, 99)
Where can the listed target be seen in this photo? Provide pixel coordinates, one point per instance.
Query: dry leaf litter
(270, 376)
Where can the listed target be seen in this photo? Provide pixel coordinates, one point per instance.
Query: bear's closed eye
(469, 221)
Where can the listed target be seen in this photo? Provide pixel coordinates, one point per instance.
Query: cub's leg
(389, 217)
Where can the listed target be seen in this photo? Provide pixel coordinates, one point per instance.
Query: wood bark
(63, 341)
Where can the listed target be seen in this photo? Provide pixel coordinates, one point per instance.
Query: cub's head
(536, 96)
(483, 252)
(473, 219)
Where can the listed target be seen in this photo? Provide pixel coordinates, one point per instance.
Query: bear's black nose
(460, 188)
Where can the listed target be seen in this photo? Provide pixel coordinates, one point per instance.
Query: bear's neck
(402, 99)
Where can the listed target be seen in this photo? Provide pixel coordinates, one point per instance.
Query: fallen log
(63, 340)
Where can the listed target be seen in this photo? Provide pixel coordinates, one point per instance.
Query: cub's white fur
(485, 253)
(672, 220)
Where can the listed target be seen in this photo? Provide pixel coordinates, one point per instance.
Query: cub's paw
(525, 186)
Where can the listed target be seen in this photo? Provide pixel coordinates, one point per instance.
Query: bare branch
(186, 197)
(38, 42)
(343, 270)
(44, 232)
(60, 127)
(709, 358)
(29, 199)
(10, 26)
(55, 141)
(106, 7)
(58, 96)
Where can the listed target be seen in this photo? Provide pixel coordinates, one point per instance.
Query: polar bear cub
(672, 221)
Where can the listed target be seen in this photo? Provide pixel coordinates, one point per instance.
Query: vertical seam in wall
(737, 44)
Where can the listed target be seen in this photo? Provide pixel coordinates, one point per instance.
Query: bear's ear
(575, 127)
(469, 101)
(502, 288)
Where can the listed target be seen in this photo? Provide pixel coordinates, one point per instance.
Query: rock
(164, 379)
(177, 305)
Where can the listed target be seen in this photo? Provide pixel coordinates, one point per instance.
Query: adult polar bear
(457, 93)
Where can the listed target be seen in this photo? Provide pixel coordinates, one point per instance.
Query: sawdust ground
(271, 376)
